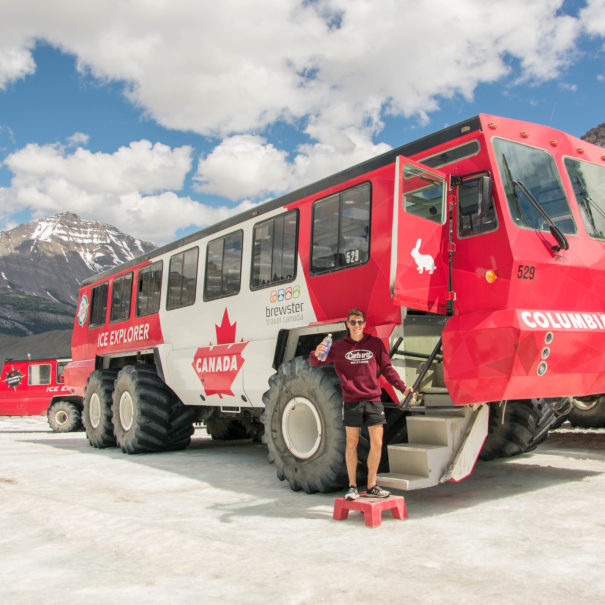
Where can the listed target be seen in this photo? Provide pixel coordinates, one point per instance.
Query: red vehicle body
(480, 248)
(36, 387)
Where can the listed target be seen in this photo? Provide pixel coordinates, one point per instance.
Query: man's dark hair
(356, 312)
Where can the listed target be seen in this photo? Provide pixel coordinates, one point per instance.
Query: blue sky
(161, 117)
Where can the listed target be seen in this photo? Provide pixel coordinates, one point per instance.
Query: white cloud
(231, 67)
(241, 166)
(15, 63)
(593, 17)
(77, 139)
(246, 165)
(132, 188)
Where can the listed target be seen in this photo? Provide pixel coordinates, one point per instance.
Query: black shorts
(362, 413)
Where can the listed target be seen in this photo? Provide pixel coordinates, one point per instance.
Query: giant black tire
(225, 429)
(547, 420)
(97, 414)
(304, 433)
(588, 412)
(64, 416)
(516, 426)
(182, 417)
(141, 411)
(255, 429)
(181, 426)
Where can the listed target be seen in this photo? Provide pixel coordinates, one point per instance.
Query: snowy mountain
(43, 262)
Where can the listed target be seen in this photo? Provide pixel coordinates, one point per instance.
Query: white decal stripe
(563, 320)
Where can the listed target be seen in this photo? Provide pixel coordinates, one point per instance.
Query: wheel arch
(75, 399)
(299, 342)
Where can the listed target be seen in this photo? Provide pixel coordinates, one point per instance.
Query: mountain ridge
(43, 262)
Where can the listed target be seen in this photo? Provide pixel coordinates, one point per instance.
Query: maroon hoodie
(357, 365)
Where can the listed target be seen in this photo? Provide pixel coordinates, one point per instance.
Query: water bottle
(327, 341)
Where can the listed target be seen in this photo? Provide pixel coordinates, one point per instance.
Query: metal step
(437, 430)
(439, 448)
(424, 459)
(404, 482)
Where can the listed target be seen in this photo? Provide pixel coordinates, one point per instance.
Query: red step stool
(371, 508)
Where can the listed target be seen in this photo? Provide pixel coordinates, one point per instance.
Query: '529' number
(526, 272)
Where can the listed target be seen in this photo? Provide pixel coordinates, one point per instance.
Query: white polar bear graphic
(424, 262)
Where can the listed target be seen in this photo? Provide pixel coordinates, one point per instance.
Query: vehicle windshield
(524, 170)
(588, 182)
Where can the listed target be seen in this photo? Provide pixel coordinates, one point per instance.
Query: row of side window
(340, 239)
(40, 374)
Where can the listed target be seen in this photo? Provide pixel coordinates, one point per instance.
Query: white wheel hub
(126, 411)
(94, 410)
(301, 428)
(61, 417)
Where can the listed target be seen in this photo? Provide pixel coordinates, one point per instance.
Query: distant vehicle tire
(516, 426)
(142, 411)
(588, 412)
(225, 429)
(255, 429)
(64, 417)
(304, 433)
(97, 414)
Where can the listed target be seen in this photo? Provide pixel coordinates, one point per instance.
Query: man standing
(357, 358)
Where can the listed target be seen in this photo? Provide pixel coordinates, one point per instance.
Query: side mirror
(485, 195)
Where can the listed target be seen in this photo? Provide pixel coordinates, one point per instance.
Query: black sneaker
(377, 492)
(352, 494)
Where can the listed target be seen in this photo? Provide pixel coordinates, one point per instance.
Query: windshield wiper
(589, 203)
(516, 203)
(557, 233)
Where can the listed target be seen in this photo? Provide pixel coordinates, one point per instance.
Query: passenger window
(223, 266)
(341, 230)
(469, 221)
(98, 305)
(182, 279)
(423, 194)
(149, 288)
(60, 371)
(38, 374)
(274, 251)
(121, 293)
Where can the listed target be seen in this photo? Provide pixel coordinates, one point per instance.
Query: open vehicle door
(419, 256)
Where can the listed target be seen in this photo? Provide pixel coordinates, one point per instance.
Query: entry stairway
(441, 447)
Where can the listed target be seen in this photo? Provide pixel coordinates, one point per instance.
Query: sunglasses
(358, 322)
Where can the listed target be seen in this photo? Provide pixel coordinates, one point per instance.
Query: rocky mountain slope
(596, 135)
(42, 263)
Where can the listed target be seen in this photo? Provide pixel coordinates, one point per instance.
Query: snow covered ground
(213, 524)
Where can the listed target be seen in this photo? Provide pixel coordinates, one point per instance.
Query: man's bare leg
(375, 453)
(351, 453)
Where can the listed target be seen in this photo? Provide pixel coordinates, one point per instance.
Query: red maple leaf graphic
(218, 365)
(225, 333)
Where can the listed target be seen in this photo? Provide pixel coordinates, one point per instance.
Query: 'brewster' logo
(218, 365)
